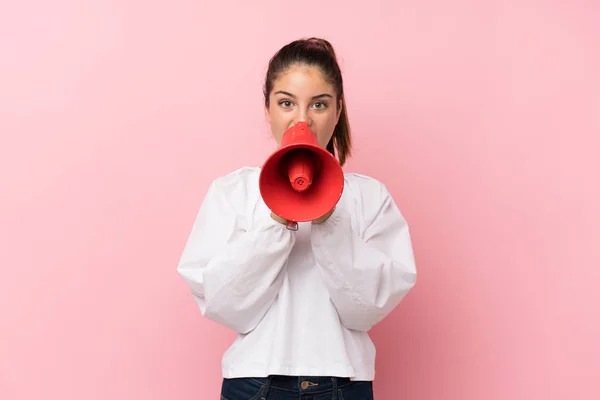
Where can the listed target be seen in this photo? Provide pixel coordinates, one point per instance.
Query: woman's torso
(301, 333)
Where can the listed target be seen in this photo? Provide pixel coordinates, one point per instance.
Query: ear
(267, 114)
(339, 111)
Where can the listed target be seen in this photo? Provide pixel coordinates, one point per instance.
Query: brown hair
(315, 52)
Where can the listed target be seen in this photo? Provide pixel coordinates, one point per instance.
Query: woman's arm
(367, 275)
(234, 272)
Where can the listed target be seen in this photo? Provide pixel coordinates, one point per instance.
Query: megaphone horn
(301, 181)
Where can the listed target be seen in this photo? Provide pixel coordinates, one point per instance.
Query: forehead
(303, 80)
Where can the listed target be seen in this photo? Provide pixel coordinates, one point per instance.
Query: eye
(320, 105)
(285, 103)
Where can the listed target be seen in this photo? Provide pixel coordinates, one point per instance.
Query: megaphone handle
(292, 225)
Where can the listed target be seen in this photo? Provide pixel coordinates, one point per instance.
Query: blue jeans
(296, 388)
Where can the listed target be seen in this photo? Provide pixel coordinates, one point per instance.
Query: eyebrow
(314, 97)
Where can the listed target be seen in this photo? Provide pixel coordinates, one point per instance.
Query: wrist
(290, 225)
(324, 217)
(279, 219)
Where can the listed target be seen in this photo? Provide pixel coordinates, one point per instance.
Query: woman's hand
(315, 221)
(324, 217)
(279, 219)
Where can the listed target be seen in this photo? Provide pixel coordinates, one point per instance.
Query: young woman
(301, 301)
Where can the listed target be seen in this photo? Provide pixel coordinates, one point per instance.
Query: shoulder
(236, 187)
(241, 177)
(370, 197)
(366, 186)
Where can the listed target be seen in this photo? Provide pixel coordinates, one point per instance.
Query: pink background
(482, 117)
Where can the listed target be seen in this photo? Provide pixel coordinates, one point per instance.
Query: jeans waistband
(305, 383)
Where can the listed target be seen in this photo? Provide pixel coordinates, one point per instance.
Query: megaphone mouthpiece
(300, 169)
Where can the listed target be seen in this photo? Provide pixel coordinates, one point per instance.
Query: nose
(303, 116)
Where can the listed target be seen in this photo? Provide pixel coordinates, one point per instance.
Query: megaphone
(301, 181)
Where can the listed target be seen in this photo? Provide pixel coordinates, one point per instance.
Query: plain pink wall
(482, 117)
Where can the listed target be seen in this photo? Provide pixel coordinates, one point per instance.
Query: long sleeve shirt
(302, 302)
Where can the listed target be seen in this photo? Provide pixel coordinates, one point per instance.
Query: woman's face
(301, 94)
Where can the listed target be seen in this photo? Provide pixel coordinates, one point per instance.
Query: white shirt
(302, 301)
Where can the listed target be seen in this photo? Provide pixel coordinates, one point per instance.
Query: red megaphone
(301, 181)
